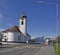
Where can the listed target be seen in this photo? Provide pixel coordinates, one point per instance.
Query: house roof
(13, 29)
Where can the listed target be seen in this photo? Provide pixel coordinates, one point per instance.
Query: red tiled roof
(13, 29)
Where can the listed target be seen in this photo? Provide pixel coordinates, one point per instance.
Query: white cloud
(1, 29)
(1, 16)
(10, 25)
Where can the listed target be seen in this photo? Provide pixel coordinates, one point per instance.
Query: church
(17, 33)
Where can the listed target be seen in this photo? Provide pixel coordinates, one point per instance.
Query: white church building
(17, 33)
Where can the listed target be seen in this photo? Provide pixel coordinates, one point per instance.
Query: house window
(22, 22)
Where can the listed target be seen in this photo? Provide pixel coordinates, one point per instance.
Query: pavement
(48, 50)
(26, 49)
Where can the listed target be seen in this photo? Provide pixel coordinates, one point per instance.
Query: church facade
(17, 33)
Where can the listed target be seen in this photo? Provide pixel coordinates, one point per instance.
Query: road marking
(28, 46)
(17, 47)
(41, 47)
(38, 47)
(28, 52)
(25, 53)
(33, 47)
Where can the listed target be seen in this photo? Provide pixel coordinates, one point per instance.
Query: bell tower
(23, 24)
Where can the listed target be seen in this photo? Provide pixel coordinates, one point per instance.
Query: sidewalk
(9, 45)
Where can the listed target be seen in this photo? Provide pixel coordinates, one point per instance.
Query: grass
(57, 52)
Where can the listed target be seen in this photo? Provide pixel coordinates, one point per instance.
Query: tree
(1, 36)
(59, 39)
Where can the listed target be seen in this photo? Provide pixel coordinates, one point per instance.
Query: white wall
(23, 28)
(4, 34)
(13, 37)
(47, 40)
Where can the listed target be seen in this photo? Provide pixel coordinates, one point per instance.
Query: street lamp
(42, 2)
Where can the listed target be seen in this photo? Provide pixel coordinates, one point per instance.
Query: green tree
(59, 39)
(1, 36)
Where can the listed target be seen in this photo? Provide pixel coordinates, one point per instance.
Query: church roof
(28, 35)
(13, 29)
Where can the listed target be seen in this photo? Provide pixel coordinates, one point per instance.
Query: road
(31, 49)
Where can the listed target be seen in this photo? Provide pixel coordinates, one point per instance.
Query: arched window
(22, 22)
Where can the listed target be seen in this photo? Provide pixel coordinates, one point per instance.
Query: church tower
(23, 24)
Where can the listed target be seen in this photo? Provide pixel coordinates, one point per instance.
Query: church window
(22, 22)
(4, 36)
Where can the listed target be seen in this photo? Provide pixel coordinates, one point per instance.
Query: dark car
(0, 43)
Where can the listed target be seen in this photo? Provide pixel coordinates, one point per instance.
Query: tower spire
(23, 14)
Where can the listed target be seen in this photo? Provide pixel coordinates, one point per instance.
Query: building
(17, 34)
(47, 40)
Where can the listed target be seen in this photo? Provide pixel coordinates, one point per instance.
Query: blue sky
(41, 17)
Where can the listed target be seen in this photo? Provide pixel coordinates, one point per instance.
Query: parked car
(0, 43)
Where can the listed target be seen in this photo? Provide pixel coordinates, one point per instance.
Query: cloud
(10, 25)
(1, 16)
(1, 29)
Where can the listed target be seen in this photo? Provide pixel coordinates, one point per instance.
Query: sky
(41, 18)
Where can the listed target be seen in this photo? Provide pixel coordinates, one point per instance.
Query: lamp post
(56, 4)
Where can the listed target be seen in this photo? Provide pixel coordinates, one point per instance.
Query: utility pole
(56, 4)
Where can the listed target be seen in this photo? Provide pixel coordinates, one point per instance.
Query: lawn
(57, 52)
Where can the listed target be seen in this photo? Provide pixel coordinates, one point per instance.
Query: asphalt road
(31, 49)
